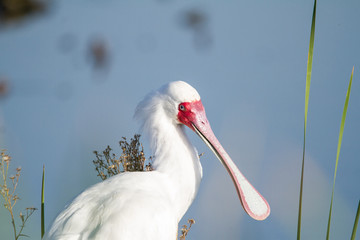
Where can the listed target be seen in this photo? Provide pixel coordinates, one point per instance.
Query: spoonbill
(149, 205)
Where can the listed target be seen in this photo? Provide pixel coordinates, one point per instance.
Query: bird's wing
(118, 207)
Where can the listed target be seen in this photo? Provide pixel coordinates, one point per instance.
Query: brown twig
(185, 229)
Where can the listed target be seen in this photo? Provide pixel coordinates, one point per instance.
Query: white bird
(149, 205)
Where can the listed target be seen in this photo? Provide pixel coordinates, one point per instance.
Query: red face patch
(188, 112)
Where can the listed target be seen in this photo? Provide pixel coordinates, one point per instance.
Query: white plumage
(149, 205)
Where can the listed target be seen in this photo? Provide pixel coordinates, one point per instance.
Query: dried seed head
(6, 158)
(191, 221)
(22, 217)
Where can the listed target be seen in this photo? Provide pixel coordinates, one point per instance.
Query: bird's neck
(175, 157)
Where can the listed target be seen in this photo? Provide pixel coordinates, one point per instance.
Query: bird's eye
(182, 107)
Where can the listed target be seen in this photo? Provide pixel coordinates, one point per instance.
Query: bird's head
(184, 105)
(181, 102)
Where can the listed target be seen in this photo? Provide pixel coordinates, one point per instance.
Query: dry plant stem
(29, 212)
(5, 191)
(10, 197)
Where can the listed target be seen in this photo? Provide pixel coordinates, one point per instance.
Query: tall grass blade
(307, 92)
(42, 204)
(353, 235)
(338, 149)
